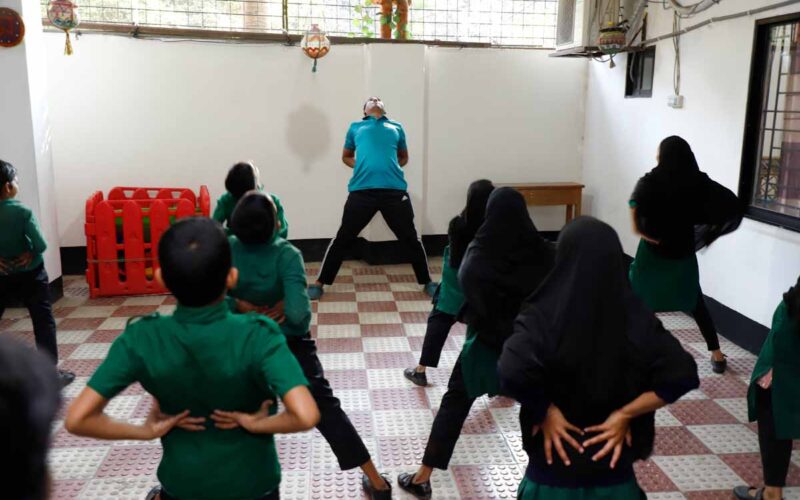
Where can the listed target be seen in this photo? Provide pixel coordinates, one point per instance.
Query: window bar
(775, 117)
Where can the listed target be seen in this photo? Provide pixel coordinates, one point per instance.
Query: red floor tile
(369, 271)
(339, 345)
(385, 306)
(347, 379)
(104, 336)
(131, 311)
(701, 412)
(81, 367)
(337, 319)
(674, 441)
(66, 490)
(414, 317)
(748, 467)
(338, 297)
(129, 461)
(723, 387)
(372, 287)
(402, 296)
(710, 495)
(402, 278)
(80, 323)
(651, 478)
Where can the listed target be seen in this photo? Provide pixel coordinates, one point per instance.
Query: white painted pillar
(25, 125)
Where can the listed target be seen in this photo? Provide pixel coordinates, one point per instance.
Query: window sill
(773, 218)
(258, 37)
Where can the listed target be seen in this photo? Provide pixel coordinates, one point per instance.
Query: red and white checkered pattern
(369, 326)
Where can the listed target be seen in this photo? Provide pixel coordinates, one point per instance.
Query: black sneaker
(421, 491)
(66, 377)
(743, 493)
(377, 494)
(719, 367)
(419, 378)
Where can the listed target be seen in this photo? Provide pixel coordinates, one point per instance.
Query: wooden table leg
(570, 213)
(578, 206)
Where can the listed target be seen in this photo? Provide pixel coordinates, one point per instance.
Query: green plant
(364, 21)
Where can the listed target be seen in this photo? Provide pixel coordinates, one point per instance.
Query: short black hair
(7, 173)
(241, 179)
(253, 220)
(29, 400)
(195, 260)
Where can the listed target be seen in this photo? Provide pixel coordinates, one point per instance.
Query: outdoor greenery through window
(499, 22)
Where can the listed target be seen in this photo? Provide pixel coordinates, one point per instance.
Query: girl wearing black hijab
(449, 298)
(677, 210)
(590, 364)
(773, 398)
(505, 262)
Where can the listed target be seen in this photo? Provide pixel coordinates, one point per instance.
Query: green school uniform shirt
(479, 366)
(529, 490)
(665, 284)
(20, 233)
(202, 359)
(226, 203)
(272, 272)
(451, 298)
(781, 353)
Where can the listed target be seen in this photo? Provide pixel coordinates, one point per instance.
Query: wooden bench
(542, 194)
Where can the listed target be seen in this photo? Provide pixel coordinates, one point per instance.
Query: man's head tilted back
(374, 107)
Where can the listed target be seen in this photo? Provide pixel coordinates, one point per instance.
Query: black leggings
(776, 454)
(703, 319)
(359, 209)
(32, 288)
(334, 425)
(449, 421)
(439, 324)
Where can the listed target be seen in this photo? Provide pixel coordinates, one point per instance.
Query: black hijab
(792, 300)
(681, 206)
(464, 226)
(505, 262)
(584, 342)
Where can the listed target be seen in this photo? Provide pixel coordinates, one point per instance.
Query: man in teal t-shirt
(376, 150)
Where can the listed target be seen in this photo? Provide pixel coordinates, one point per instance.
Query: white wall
(749, 270)
(25, 126)
(135, 112)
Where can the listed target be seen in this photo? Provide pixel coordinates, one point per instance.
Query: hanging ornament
(315, 44)
(612, 39)
(63, 14)
(12, 29)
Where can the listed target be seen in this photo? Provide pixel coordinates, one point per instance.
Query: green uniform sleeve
(296, 304)
(222, 210)
(34, 235)
(120, 369)
(284, 230)
(276, 363)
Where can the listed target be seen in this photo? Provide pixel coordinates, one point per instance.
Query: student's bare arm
(349, 157)
(636, 229)
(85, 417)
(301, 415)
(402, 157)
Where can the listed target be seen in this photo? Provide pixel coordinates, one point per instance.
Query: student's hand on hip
(615, 432)
(275, 313)
(228, 420)
(23, 260)
(556, 428)
(245, 307)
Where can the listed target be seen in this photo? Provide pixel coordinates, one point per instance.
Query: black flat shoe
(419, 378)
(374, 494)
(66, 378)
(743, 493)
(421, 491)
(719, 367)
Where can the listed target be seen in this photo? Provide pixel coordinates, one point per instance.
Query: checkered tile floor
(369, 326)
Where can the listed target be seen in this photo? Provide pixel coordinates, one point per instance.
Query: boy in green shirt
(273, 281)
(243, 177)
(199, 364)
(22, 273)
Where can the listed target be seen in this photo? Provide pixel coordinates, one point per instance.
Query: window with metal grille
(770, 177)
(499, 22)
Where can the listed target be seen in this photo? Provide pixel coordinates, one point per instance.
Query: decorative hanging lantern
(12, 29)
(612, 39)
(64, 16)
(315, 44)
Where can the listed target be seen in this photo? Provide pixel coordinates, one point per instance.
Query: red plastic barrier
(122, 235)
